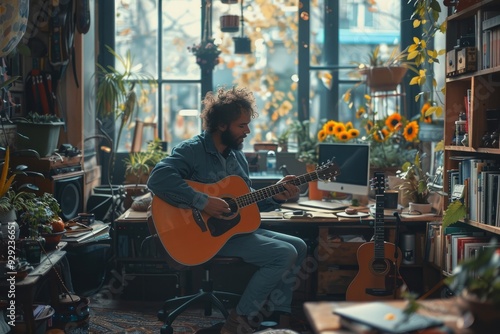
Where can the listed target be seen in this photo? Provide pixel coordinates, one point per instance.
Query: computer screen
(353, 160)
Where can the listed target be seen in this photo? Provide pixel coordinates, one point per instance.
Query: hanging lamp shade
(13, 22)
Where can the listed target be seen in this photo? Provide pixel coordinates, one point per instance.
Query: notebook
(386, 318)
(324, 205)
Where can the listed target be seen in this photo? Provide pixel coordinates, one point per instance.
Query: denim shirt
(197, 159)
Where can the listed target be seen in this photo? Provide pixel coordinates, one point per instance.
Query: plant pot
(229, 23)
(41, 137)
(242, 45)
(385, 78)
(52, 239)
(419, 207)
(32, 249)
(486, 316)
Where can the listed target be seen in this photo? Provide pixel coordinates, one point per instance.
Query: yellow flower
(322, 135)
(393, 122)
(425, 107)
(410, 132)
(329, 128)
(339, 127)
(343, 136)
(369, 126)
(349, 126)
(381, 135)
(354, 133)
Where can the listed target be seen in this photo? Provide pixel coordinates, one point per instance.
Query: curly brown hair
(226, 107)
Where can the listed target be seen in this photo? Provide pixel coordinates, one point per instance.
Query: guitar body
(377, 278)
(192, 237)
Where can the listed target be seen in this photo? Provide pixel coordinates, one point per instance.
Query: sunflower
(329, 128)
(360, 112)
(411, 131)
(393, 121)
(349, 126)
(381, 135)
(322, 135)
(339, 127)
(369, 126)
(425, 107)
(354, 133)
(343, 136)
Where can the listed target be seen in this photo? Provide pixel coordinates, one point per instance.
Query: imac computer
(353, 160)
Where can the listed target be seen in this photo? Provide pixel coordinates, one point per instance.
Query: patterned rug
(103, 320)
(140, 317)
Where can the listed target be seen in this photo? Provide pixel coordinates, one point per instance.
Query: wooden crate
(334, 281)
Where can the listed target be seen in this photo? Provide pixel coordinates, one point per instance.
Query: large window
(159, 32)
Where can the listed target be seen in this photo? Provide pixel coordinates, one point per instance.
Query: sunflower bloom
(339, 127)
(381, 135)
(329, 127)
(425, 107)
(343, 136)
(410, 132)
(349, 126)
(353, 133)
(392, 121)
(360, 112)
(322, 135)
(369, 126)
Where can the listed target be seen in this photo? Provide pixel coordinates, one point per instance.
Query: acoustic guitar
(378, 275)
(192, 237)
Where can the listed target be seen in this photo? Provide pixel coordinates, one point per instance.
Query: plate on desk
(355, 215)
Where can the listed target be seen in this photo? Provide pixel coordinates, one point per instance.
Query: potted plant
(38, 132)
(138, 165)
(384, 74)
(415, 186)
(476, 282)
(115, 94)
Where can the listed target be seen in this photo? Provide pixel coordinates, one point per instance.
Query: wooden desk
(323, 321)
(26, 289)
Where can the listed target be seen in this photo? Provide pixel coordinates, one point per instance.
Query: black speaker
(68, 190)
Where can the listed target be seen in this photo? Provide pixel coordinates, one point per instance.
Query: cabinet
(472, 89)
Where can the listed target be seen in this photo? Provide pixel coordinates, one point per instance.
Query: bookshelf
(472, 150)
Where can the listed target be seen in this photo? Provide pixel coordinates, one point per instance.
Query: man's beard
(230, 140)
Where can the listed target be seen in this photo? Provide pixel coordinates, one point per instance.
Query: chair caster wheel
(162, 315)
(166, 329)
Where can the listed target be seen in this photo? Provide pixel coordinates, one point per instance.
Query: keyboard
(324, 205)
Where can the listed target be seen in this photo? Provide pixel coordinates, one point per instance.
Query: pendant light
(242, 44)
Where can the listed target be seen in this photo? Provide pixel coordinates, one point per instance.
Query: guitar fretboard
(261, 194)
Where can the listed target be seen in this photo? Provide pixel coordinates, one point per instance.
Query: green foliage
(307, 149)
(454, 212)
(37, 118)
(38, 211)
(415, 183)
(140, 163)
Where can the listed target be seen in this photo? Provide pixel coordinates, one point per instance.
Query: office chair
(210, 298)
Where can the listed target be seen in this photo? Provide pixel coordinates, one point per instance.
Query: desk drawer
(338, 253)
(334, 280)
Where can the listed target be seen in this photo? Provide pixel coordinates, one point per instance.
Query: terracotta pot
(52, 239)
(384, 78)
(229, 23)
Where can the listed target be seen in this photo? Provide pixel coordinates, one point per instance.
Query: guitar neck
(269, 191)
(379, 236)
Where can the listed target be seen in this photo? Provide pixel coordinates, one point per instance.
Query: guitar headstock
(328, 171)
(378, 183)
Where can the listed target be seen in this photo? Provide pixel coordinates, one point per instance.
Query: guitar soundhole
(232, 205)
(380, 266)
